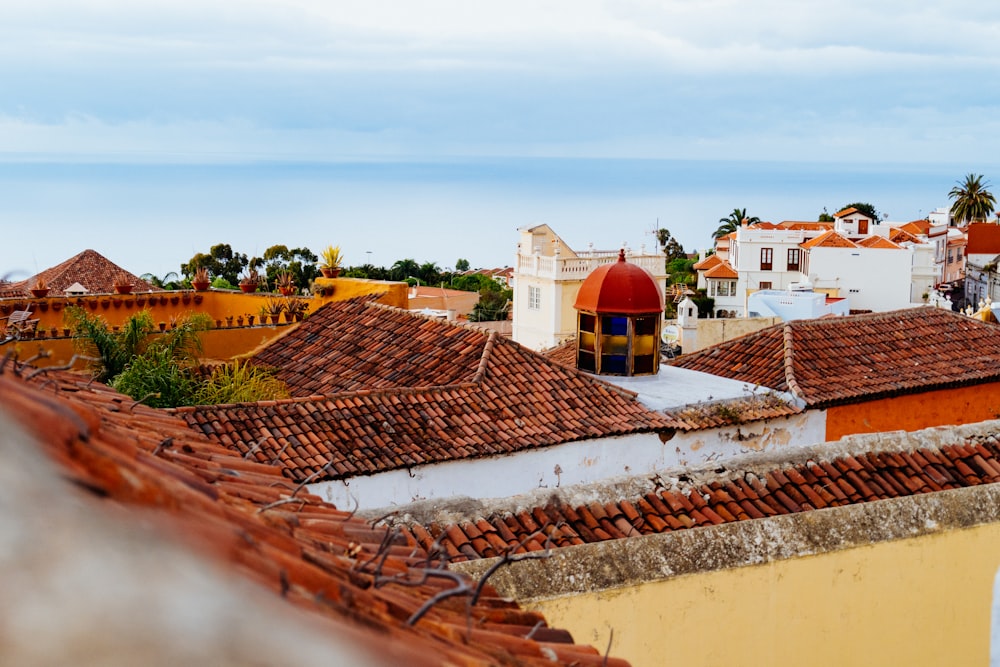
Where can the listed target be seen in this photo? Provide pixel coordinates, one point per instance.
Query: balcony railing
(579, 267)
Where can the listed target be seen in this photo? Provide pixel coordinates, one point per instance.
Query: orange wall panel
(911, 412)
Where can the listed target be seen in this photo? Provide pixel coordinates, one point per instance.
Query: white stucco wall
(871, 278)
(572, 463)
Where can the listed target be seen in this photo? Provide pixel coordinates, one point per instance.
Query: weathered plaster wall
(902, 581)
(569, 464)
(958, 405)
(719, 330)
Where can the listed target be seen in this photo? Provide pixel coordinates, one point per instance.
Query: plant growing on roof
(330, 261)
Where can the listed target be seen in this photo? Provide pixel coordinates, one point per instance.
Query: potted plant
(123, 284)
(41, 288)
(201, 279)
(285, 283)
(250, 281)
(272, 309)
(295, 309)
(331, 260)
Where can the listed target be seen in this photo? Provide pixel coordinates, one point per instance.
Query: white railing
(580, 266)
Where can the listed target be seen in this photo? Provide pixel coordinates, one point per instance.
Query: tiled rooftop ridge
(730, 495)
(483, 396)
(832, 361)
(322, 560)
(94, 271)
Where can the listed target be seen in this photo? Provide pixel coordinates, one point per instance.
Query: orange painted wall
(224, 341)
(959, 405)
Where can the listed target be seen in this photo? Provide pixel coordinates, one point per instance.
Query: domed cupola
(619, 309)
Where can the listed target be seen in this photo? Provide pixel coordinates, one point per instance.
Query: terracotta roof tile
(831, 361)
(474, 395)
(829, 239)
(740, 496)
(89, 268)
(878, 242)
(722, 271)
(247, 517)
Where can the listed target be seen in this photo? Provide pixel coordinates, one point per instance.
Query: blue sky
(444, 83)
(230, 81)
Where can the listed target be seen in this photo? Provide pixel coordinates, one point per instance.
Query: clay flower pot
(200, 285)
(40, 293)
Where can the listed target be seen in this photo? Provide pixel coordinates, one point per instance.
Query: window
(793, 259)
(722, 288)
(764, 285)
(766, 259)
(534, 298)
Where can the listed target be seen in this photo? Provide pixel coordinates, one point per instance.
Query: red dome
(620, 288)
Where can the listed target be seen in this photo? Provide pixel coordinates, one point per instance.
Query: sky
(376, 82)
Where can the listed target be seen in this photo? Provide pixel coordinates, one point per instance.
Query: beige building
(547, 278)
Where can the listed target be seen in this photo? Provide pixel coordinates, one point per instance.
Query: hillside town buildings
(633, 499)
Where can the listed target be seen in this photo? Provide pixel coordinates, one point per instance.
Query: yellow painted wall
(920, 601)
(225, 340)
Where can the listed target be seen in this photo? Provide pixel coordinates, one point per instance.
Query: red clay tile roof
(918, 227)
(707, 263)
(722, 271)
(829, 239)
(845, 212)
(801, 225)
(245, 516)
(89, 268)
(383, 389)
(837, 360)
(564, 355)
(878, 242)
(898, 235)
(732, 495)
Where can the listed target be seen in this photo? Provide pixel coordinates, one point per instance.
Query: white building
(547, 277)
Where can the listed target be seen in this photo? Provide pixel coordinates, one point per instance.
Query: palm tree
(168, 281)
(733, 222)
(973, 202)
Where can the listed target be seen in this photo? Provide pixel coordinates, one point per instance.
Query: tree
(825, 216)
(669, 246)
(300, 262)
(429, 273)
(461, 264)
(973, 201)
(493, 304)
(865, 208)
(403, 268)
(169, 280)
(220, 261)
(733, 222)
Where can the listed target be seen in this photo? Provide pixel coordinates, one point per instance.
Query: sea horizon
(152, 215)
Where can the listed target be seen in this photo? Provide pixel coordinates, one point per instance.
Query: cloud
(310, 79)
